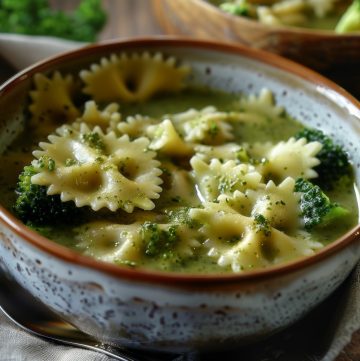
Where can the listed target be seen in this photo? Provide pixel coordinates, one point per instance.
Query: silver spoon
(28, 314)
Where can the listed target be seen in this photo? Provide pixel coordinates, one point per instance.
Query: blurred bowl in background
(322, 50)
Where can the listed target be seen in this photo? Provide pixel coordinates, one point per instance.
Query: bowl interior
(307, 96)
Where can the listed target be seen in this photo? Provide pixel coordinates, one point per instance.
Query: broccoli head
(334, 162)
(316, 208)
(35, 207)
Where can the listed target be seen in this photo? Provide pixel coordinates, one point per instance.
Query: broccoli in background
(316, 208)
(334, 162)
(35, 17)
(350, 21)
(36, 208)
(240, 9)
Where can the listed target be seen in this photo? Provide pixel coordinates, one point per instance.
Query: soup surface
(172, 178)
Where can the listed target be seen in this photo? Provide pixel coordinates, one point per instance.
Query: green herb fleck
(93, 140)
(261, 224)
(46, 162)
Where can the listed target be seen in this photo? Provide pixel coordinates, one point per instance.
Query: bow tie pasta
(99, 170)
(247, 242)
(133, 78)
(53, 99)
(133, 166)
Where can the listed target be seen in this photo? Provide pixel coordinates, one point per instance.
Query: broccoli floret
(159, 242)
(36, 208)
(316, 208)
(35, 17)
(240, 9)
(350, 20)
(334, 162)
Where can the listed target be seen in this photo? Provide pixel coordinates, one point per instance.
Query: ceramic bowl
(177, 312)
(319, 49)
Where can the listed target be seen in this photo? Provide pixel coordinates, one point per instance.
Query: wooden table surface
(128, 18)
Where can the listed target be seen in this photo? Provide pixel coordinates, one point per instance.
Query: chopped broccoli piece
(242, 155)
(240, 9)
(316, 208)
(159, 242)
(46, 163)
(181, 216)
(35, 17)
(350, 20)
(93, 140)
(261, 224)
(36, 208)
(334, 162)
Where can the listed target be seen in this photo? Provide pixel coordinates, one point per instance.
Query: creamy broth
(273, 129)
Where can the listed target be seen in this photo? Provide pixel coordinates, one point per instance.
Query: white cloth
(23, 50)
(17, 345)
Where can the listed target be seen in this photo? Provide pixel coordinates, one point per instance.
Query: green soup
(223, 198)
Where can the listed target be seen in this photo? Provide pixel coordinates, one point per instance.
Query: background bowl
(319, 49)
(178, 312)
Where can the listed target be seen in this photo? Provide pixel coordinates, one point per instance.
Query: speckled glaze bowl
(178, 312)
(319, 49)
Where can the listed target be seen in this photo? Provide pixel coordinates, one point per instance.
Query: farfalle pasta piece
(108, 118)
(259, 150)
(178, 186)
(110, 242)
(292, 158)
(164, 138)
(189, 244)
(239, 201)
(278, 204)
(208, 125)
(225, 152)
(133, 77)
(257, 250)
(135, 126)
(53, 99)
(263, 105)
(243, 243)
(218, 178)
(289, 12)
(322, 7)
(222, 228)
(99, 170)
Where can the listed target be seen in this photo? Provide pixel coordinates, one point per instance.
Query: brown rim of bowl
(281, 28)
(179, 279)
